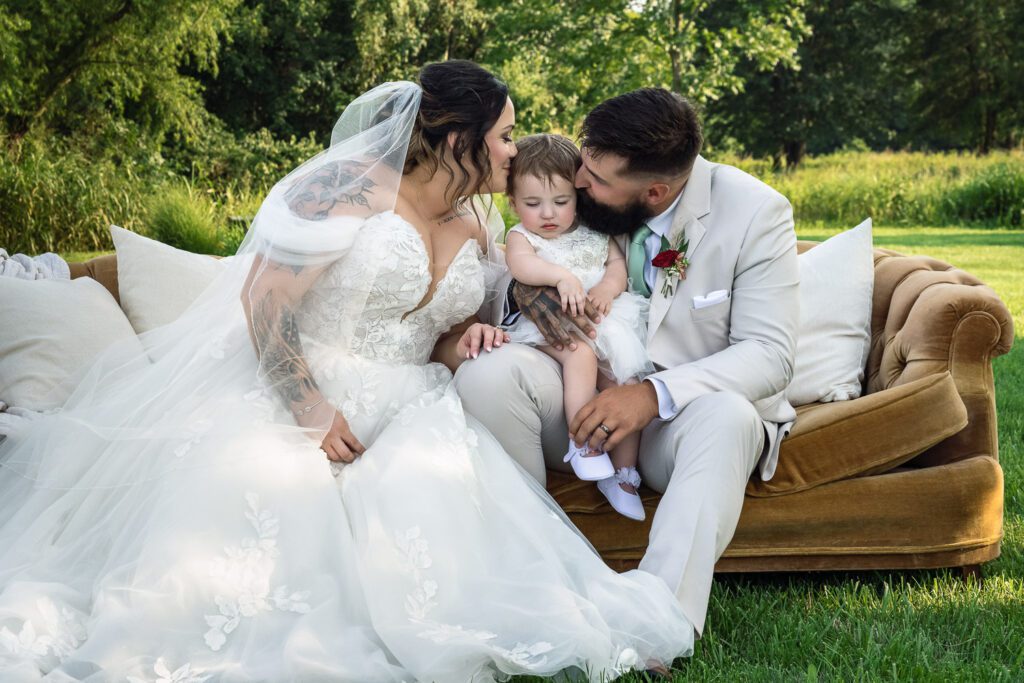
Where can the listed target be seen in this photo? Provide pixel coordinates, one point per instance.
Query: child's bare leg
(627, 452)
(579, 376)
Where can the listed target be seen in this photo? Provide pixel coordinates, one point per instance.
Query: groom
(722, 337)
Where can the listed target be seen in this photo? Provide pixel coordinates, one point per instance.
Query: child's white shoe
(625, 503)
(589, 467)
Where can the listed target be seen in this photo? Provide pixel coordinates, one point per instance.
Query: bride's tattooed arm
(316, 196)
(282, 362)
(271, 297)
(270, 305)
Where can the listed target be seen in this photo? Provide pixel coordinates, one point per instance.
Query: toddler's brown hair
(545, 156)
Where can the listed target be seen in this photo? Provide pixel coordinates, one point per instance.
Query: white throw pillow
(837, 278)
(52, 330)
(158, 282)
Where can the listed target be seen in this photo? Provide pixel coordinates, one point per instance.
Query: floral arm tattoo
(280, 350)
(543, 306)
(317, 195)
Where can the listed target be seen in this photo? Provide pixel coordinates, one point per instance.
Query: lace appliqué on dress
(389, 269)
(183, 674)
(419, 603)
(59, 633)
(247, 568)
(583, 252)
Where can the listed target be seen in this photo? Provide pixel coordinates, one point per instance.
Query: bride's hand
(339, 444)
(477, 336)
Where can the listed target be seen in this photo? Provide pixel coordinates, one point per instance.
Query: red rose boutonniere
(675, 263)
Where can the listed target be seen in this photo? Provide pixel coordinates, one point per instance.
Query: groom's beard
(610, 221)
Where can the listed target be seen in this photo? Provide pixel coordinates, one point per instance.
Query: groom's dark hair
(654, 130)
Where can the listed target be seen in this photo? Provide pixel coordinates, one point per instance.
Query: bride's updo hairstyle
(463, 98)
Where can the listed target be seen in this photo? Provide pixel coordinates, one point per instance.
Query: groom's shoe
(589, 467)
(625, 503)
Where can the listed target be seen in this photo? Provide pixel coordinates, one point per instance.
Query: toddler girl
(550, 248)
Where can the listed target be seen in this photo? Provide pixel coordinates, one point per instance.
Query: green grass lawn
(923, 625)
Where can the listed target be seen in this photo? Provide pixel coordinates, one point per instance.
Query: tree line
(775, 78)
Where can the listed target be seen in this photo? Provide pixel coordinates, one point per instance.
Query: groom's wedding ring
(604, 428)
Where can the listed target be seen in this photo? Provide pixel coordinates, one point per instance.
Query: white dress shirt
(660, 226)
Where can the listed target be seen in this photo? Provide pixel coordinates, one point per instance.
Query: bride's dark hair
(463, 98)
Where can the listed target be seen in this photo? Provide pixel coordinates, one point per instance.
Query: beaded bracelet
(305, 411)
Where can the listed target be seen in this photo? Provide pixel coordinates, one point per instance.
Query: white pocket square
(710, 299)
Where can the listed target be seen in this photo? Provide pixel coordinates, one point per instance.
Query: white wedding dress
(431, 558)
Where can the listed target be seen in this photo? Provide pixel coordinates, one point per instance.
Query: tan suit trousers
(700, 461)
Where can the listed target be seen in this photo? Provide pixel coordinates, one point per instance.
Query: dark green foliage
(967, 61)
(76, 66)
(106, 103)
(284, 66)
(849, 84)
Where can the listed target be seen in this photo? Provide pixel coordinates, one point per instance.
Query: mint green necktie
(637, 259)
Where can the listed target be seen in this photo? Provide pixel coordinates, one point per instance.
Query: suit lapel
(694, 205)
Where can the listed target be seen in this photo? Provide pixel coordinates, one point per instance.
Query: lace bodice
(366, 302)
(583, 252)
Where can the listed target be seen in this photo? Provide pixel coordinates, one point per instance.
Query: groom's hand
(543, 307)
(622, 410)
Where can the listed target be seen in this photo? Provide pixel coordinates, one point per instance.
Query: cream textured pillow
(837, 278)
(158, 282)
(51, 331)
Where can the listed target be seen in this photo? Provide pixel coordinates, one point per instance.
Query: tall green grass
(62, 201)
(52, 199)
(187, 217)
(56, 196)
(901, 188)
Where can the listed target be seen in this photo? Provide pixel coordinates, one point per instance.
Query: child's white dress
(622, 334)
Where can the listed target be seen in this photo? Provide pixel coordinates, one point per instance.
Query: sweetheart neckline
(421, 306)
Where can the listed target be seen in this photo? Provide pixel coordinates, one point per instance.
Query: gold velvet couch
(907, 476)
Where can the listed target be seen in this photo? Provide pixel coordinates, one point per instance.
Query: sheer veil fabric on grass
(836, 284)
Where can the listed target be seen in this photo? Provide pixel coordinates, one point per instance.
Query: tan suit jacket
(741, 240)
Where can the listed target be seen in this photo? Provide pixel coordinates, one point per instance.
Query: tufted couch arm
(929, 318)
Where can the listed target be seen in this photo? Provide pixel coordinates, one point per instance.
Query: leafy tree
(849, 83)
(968, 63)
(84, 63)
(283, 67)
(562, 60)
(395, 39)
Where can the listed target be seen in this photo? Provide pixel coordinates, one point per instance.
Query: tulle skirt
(433, 557)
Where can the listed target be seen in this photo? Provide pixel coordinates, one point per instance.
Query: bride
(178, 520)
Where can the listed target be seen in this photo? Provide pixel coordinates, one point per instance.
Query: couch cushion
(51, 331)
(157, 282)
(872, 434)
(836, 280)
(936, 516)
(955, 507)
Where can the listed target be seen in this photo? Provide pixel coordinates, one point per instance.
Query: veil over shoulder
(173, 521)
(141, 401)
